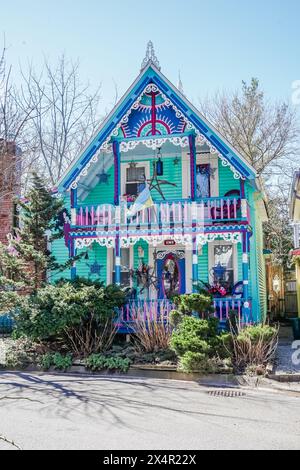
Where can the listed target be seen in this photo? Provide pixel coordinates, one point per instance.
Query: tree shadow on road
(112, 399)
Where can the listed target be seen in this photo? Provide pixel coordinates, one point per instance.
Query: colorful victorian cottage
(160, 202)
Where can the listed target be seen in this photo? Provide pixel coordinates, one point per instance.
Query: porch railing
(159, 310)
(145, 310)
(182, 213)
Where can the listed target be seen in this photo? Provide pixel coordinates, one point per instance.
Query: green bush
(45, 361)
(257, 333)
(175, 318)
(194, 335)
(61, 362)
(194, 303)
(57, 360)
(196, 342)
(197, 362)
(20, 354)
(98, 362)
(81, 316)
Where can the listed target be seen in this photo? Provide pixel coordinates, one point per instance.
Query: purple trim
(72, 197)
(153, 114)
(243, 193)
(192, 166)
(117, 173)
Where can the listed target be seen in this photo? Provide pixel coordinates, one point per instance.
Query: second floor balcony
(163, 215)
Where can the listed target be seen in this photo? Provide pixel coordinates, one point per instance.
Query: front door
(171, 273)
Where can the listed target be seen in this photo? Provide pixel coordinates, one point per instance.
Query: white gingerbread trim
(152, 143)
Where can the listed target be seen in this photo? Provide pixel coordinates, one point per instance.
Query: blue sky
(216, 44)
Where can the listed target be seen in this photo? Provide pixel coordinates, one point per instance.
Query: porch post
(244, 205)
(118, 261)
(242, 189)
(117, 185)
(72, 253)
(195, 247)
(246, 251)
(118, 248)
(73, 200)
(117, 172)
(193, 166)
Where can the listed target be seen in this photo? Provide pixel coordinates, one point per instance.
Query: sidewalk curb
(284, 378)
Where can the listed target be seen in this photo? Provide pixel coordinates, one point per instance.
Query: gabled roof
(110, 126)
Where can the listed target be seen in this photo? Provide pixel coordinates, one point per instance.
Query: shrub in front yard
(56, 360)
(20, 354)
(254, 347)
(197, 342)
(98, 362)
(198, 362)
(80, 316)
(194, 303)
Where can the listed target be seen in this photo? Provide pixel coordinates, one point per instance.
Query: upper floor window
(203, 181)
(135, 180)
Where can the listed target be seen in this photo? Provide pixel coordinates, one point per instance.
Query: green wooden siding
(227, 182)
(102, 193)
(105, 194)
(203, 274)
(257, 262)
(61, 253)
(261, 268)
(96, 254)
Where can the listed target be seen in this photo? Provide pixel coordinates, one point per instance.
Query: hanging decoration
(155, 183)
(146, 276)
(159, 164)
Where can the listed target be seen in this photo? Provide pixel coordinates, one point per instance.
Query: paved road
(65, 412)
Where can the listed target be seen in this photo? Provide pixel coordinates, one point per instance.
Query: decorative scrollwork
(155, 142)
(205, 238)
(81, 243)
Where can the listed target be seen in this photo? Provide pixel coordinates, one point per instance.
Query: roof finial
(180, 84)
(150, 57)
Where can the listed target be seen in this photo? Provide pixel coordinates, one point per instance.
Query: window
(135, 180)
(203, 181)
(223, 258)
(125, 267)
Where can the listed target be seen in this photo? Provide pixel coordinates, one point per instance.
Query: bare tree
(265, 133)
(66, 115)
(278, 231)
(15, 114)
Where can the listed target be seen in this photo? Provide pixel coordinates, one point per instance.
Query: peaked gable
(154, 110)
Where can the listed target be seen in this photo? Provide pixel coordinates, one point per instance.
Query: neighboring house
(9, 187)
(206, 221)
(295, 217)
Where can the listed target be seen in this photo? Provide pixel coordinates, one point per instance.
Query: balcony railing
(183, 213)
